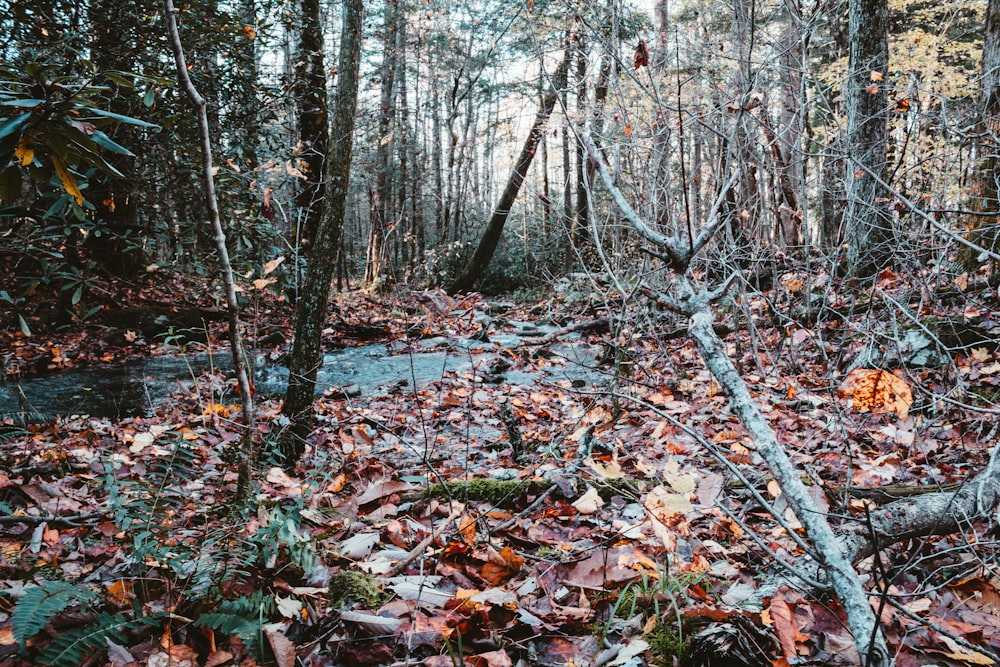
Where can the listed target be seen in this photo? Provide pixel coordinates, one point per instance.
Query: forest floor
(478, 518)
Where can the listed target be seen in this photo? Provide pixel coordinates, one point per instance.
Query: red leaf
(641, 57)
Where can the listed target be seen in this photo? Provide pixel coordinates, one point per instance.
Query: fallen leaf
(589, 502)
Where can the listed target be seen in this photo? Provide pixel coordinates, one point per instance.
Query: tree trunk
(494, 229)
(984, 203)
(306, 356)
(868, 224)
(376, 260)
(114, 48)
(314, 127)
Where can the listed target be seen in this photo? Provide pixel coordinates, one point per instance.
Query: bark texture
(306, 357)
(984, 202)
(314, 123)
(867, 227)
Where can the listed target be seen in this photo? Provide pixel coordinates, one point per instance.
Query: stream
(139, 387)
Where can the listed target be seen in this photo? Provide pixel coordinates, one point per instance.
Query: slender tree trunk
(436, 170)
(494, 229)
(240, 362)
(376, 262)
(404, 206)
(868, 228)
(311, 312)
(246, 119)
(113, 48)
(581, 220)
(314, 127)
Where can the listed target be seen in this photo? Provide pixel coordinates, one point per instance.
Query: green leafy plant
(243, 617)
(51, 127)
(40, 603)
(78, 645)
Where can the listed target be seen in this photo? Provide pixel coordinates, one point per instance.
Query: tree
(984, 203)
(376, 261)
(480, 259)
(309, 91)
(312, 306)
(240, 361)
(867, 227)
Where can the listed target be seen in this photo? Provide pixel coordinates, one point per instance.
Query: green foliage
(243, 617)
(52, 127)
(40, 603)
(77, 646)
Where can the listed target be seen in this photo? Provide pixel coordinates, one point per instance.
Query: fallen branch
(601, 324)
(72, 521)
(696, 304)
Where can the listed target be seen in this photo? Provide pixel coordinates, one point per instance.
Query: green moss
(348, 586)
(667, 645)
(498, 492)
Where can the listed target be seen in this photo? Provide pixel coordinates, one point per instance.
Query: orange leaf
(877, 391)
(784, 626)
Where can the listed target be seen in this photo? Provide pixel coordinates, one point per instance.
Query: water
(138, 388)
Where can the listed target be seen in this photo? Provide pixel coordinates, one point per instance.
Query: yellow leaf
(965, 655)
(25, 151)
(261, 283)
(68, 182)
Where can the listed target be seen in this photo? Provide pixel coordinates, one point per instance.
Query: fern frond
(76, 646)
(40, 603)
(243, 616)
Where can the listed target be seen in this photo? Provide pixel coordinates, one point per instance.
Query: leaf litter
(613, 529)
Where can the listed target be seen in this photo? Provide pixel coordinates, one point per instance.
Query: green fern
(10, 432)
(244, 617)
(40, 603)
(75, 647)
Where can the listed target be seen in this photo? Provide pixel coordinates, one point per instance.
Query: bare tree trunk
(376, 262)
(306, 356)
(868, 228)
(491, 237)
(240, 363)
(984, 202)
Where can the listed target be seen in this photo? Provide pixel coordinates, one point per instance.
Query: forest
(543, 332)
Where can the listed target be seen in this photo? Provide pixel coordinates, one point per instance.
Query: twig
(422, 547)
(74, 521)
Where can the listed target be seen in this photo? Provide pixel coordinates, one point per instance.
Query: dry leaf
(589, 502)
(877, 391)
